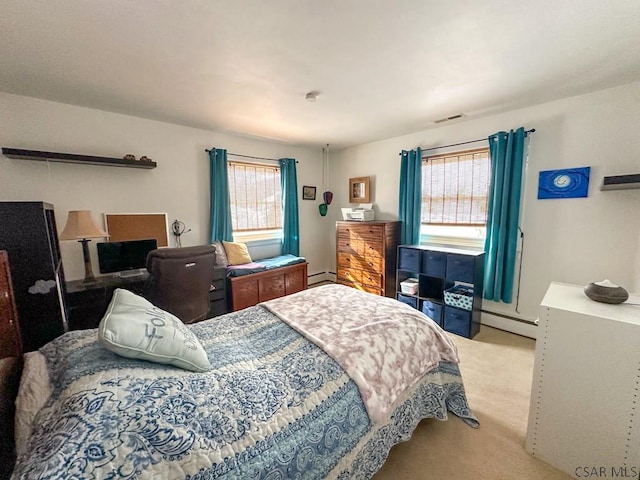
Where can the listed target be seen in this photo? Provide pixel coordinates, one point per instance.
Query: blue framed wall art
(564, 183)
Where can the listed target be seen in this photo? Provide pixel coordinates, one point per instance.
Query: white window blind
(455, 188)
(255, 196)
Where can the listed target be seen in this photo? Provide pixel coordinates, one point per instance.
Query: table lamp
(80, 226)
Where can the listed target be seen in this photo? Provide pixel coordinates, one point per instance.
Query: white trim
(319, 277)
(259, 238)
(526, 329)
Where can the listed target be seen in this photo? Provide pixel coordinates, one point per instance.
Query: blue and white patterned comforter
(275, 406)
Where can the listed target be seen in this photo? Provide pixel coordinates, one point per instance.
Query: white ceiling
(383, 68)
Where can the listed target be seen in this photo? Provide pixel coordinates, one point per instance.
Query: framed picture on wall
(359, 190)
(308, 193)
(565, 183)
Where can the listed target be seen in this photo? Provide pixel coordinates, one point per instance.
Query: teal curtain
(501, 244)
(220, 208)
(410, 196)
(290, 224)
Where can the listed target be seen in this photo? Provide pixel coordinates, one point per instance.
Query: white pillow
(135, 328)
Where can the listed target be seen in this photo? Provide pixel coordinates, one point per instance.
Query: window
(256, 200)
(455, 194)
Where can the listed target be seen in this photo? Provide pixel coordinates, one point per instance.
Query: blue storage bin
(433, 311)
(460, 267)
(460, 296)
(411, 301)
(409, 259)
(457, 321)
(434, 263)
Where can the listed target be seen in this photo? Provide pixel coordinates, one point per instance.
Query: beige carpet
(496, 368)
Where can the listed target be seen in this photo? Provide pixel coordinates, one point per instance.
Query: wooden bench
(248, 290)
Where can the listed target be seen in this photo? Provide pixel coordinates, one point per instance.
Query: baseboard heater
(316, 278)
(509, 323)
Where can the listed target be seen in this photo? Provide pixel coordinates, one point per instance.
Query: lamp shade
(80, 225)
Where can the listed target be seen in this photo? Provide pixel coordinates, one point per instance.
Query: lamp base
(88, 271)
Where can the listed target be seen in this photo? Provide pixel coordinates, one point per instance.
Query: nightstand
(218, 293)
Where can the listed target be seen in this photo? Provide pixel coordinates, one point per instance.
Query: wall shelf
(19, 154)
(621, 182)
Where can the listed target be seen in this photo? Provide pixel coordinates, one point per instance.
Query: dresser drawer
(457, 321)
(434, 263)
(344, 245)
(358, 231)
(353, 261)
(411, 301)
(368, 277)
(460, 267)
(353, 275)
(351, 245)
(346, 259)
(409, 259)
(370, 289)
(216, 295)
(373, 248)
(373, 262)
(433, 311)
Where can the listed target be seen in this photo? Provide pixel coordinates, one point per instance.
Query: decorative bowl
(606, 292)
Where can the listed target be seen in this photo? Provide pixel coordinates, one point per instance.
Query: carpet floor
(497, 368)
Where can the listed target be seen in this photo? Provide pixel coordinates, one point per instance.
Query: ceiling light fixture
(311, 96)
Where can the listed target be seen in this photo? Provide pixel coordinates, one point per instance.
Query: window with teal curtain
(219, 209)
(501, 244)
(410, 196)
(290, 224)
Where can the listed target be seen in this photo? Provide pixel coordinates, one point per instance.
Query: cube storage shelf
(438, 269)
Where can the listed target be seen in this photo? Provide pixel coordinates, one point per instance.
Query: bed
(318, 384)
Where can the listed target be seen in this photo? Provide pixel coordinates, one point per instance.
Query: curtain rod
(249, 156)
(465, 143)
(246, 156)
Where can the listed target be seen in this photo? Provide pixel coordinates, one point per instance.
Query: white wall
(179, 185)
(571, 240)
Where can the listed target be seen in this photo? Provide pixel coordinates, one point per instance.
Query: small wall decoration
(565, 183)
(308, 193)
(359, 190)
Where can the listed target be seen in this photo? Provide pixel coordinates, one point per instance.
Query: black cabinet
(435, 272)
(87, 302)
(29, 235)
(218, 293)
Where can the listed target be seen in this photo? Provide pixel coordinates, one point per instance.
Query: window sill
(456, 242)
(259, 239)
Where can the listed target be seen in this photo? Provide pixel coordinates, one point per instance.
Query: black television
(124, 256)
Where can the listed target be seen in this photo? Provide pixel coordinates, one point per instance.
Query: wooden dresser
(10, 366)
(10, 342)
(366, 255)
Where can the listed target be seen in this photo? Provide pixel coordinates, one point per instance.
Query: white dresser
(585, 396)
